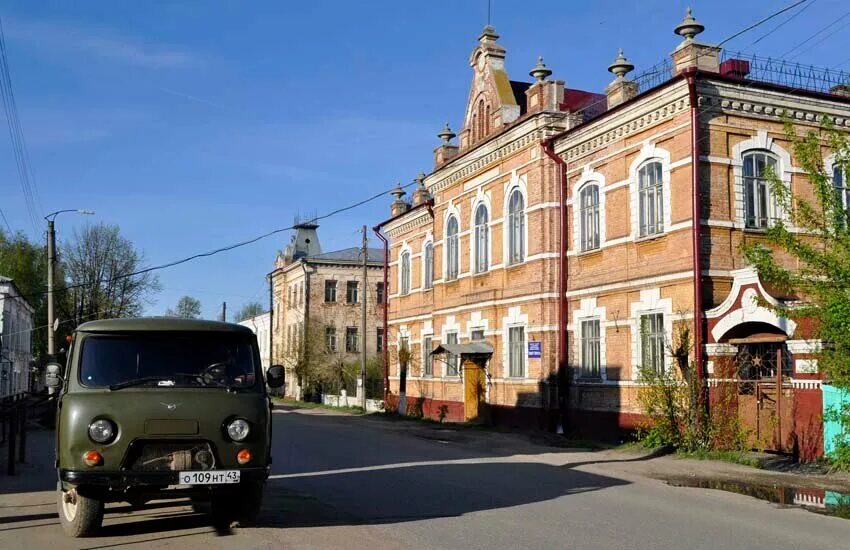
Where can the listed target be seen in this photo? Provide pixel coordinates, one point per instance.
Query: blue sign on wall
(534, 349)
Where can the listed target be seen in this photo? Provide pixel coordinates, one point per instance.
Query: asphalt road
(352, 482)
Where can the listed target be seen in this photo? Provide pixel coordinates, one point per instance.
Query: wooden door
(474, 388)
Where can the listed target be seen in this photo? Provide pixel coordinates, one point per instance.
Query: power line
(765, 20)
(815, 35)
(5, 221)
(217, 250)
(779, 26)
(16, 134)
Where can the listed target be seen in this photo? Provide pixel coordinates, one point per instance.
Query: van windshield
(195, 359)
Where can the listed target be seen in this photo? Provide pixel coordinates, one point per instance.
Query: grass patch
(310, 405)
(735, 457)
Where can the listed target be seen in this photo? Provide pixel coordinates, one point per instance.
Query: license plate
(209, 477)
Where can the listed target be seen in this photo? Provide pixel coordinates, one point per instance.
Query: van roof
(165, 324)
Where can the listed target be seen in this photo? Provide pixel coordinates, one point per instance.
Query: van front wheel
(80, 516)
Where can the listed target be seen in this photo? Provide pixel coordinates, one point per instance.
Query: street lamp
(51, 263)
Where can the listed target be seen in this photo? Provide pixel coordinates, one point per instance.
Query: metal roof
(471, 348)
(166, 324)
(349, 255)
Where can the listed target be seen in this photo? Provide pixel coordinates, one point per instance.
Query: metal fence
(788, 73)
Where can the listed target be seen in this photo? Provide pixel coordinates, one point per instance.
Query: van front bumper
(119, 480)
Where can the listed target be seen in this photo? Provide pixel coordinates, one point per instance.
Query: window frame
(404, 273)
(452, 244)
(352, 340)
(380, 293)
(656, 345)
(428, 265)
(427, 358)
(842, 189)
(379, 340)
(352, 286)
(651, 199)
(516, 245)
(452, 363)
(591, 349)
(330, 285)
(517, 350)
(590, 234)
(481, 239)
(330, 339)
(755, 185)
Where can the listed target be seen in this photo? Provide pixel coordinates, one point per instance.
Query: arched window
(842, 190)
(404, 262)
(474, 126)
(759, 203)
(451, 249)
(651, 199)
(481, 123)
(589, 220)
(428, 265)
(481, 240)
(516, 227)
(487, 119)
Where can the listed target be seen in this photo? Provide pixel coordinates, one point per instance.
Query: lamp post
(51, 263)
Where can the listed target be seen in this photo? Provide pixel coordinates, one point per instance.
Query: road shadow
(414, 493)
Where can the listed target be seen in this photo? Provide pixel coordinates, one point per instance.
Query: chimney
(420, 194)
(399, 205)
(544, 95)
(621, 89)
(446, 151)
(693, 54)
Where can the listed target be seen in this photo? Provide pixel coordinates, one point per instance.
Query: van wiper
(205, 380)
(146, 379)
(137, 382)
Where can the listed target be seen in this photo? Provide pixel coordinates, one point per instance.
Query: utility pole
(51, 262)
(224, 312)
(365, 293)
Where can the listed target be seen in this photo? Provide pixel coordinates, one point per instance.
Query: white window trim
(649, 152)
(481, 198)
(451, 210)
(650, 302)
(520, 183)
(429, 239)
(477, 322)
(588, 176)
(829, 166)
(590, 311)
(450, 326)
(404, 249)
(514, 318)
(760, 142)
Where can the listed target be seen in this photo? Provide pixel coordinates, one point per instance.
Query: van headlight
(238, 429)
(102, 431)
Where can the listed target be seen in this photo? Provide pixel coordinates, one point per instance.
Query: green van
(161, 408)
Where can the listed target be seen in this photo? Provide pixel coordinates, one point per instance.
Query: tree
(818, 238)
(249, 310)
(101, 268)
(186, 308)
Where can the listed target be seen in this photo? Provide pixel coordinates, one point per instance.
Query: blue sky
(197, 124)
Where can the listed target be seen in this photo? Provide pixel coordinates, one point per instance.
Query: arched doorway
(765, 395)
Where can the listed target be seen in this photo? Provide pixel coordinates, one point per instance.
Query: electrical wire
(761, 22)
(5, 221)
(779, 26)
(815, 35)
(217, 250)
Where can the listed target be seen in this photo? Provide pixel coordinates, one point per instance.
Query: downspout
(377, 231)
(563, 368)
(696, 215)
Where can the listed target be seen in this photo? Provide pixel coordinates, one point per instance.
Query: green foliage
(249, 310)
(25, 263)
(187, 308)
(817, 240)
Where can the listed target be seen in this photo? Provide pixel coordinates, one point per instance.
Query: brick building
(319, 294)
(560, 232)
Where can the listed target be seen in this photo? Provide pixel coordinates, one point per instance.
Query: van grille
(146, 456)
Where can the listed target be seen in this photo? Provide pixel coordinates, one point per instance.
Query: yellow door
(474, 388)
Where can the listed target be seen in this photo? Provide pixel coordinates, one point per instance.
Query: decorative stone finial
(489, 33)
(540, 71)
(446, 135)
(689, 27)
(398, 193)
(621, 66)
(420, 179)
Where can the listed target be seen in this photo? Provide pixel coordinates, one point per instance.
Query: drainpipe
(696, 215)
(377, 231)
(563, 368)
